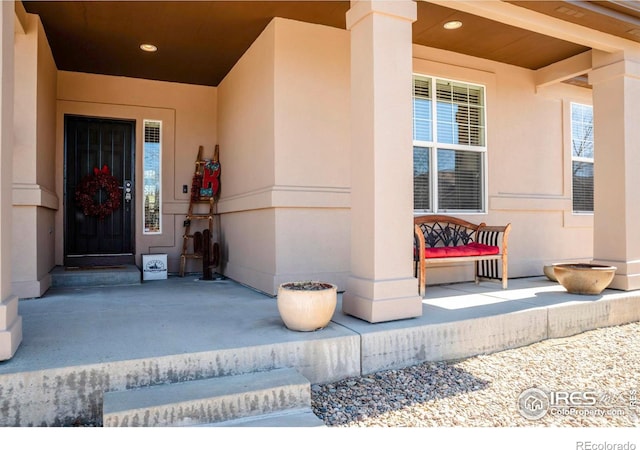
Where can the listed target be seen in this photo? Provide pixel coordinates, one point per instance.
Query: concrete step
(208, 401)
(294, 418)
(99, 276)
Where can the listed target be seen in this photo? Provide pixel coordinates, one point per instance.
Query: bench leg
(475, 272)
(505, 277)
(422, 278)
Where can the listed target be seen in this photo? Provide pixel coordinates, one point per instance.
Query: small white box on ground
(154, 267)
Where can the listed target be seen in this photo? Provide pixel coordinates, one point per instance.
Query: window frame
(581, 159)
(145, 230)
(432, 147)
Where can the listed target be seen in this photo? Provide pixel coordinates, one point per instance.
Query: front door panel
(94, 144)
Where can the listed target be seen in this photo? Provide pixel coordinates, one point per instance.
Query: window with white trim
(582, 157)
(449, 146)
(152, 181)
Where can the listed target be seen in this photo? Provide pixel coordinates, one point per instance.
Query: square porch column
(616, 116)
(10, 321)
(381, 286)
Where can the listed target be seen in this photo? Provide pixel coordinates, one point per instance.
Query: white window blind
(459, 180)
(449, 145)
(422, 114)
(582, 156)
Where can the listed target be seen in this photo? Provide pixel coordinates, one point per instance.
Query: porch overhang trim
(622, 17)
(541, 23)
(564, 70)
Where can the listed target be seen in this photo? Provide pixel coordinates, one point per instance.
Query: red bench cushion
(471, 249)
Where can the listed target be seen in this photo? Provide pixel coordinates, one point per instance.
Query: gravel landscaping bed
(591, 379)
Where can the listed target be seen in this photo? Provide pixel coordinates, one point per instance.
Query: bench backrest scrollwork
(445, 231)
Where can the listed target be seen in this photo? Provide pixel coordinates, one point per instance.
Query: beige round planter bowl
(579, 278)
(549, 272)
(307, 305)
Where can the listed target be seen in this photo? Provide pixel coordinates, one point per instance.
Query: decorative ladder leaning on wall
(205, 189)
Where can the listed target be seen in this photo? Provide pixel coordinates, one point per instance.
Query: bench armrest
(495, 235)
(418, 257)
(420, 243)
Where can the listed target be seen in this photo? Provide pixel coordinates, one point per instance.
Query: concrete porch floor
(81, 342)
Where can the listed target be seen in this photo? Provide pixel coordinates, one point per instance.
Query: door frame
(108, 258)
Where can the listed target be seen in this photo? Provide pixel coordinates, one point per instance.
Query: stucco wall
(246, 123)
(284, 135)
(312, 165)
(188, 115)
(34, 197)
(246, 133)
(529, 162)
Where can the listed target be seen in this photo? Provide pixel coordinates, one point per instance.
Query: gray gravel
(601, 366)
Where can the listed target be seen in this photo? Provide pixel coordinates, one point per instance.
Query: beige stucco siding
(246, 125)
(311, 103)
(246, 135)
(46, 84)
(284, 133)
(249, 247)
(312, 243)
(34, 198)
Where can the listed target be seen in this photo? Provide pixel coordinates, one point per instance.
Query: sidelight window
(152, 184)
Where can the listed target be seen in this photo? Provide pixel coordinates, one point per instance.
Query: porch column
(381, 286)
(10, 321)
(616, 116)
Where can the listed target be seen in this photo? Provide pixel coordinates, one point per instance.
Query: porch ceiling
(200, 41)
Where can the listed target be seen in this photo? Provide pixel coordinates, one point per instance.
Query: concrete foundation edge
(457, 340)
(449, 341)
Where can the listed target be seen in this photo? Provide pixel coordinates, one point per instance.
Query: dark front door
(96, 232)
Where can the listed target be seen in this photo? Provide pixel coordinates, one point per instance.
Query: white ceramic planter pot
(307, 305)
(590, 279)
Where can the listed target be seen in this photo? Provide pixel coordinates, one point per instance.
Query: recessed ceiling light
(452, 25)
(148, 47)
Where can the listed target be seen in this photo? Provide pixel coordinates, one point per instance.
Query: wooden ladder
(202, 246)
